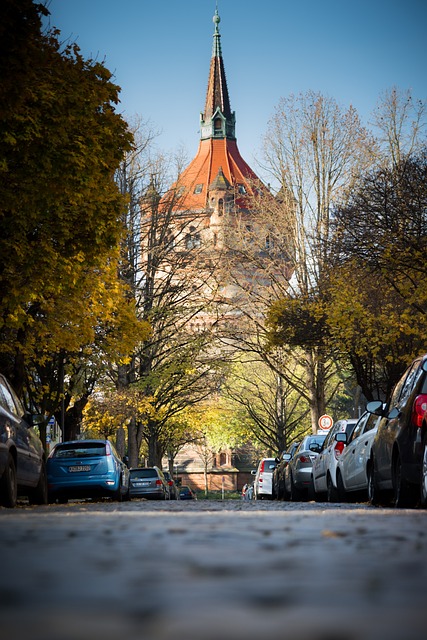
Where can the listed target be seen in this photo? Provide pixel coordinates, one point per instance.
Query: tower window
(218, 124)
(220, 207)
(192, 240)
(242, 189)
(198, 188)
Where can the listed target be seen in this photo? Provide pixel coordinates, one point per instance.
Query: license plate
(84, 467)
(141, 484)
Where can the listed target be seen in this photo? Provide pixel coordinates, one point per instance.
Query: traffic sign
(325, 422)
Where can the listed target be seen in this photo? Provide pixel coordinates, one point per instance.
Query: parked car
(279, 492)
(185, 493)
(324, 481)
(173, 489)
(354, 461)
(86, 469)
(399, 446)
(263, 481)
(298, 471)
(22, 458)
(148, 482)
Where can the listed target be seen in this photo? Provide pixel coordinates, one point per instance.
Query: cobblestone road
(207, 570)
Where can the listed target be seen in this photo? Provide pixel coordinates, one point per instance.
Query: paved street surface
(213, 570)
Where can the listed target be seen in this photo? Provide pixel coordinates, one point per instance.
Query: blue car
(86, 469)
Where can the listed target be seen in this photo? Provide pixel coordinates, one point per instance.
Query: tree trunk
(133, 448)
(155, 449)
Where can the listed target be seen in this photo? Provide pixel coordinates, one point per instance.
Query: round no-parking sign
(325, 422)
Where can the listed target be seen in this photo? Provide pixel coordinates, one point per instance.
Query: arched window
(222, 459)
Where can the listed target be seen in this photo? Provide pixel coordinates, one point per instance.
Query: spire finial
(216, 20)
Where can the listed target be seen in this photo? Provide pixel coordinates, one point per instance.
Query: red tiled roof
(212, 155)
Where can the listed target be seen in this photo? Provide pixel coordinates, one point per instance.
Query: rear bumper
(84, 488)
(145, 493)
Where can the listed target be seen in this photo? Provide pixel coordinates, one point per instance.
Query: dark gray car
(399, 446)
(148, 482)
(22, 458)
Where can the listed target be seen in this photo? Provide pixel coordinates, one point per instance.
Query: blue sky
(159, 52)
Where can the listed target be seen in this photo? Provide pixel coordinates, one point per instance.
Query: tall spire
(217, 121)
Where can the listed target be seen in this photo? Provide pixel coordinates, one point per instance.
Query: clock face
(206, 131)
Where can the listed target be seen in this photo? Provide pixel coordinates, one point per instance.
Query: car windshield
(138, 474)
(80, 450)
(315, 440)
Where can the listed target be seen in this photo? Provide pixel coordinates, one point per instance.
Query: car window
(349, 428)
(358, 429)
(7, 400)
(139, 474)
(330, 436)
(404, 385)
(410, 381)
(370, 423)
(79, 450)
(315, 439)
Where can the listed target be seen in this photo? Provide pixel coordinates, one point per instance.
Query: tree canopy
(61, 140)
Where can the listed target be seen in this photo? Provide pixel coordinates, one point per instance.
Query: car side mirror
(253, 472)
(375, 407)
(341, 437)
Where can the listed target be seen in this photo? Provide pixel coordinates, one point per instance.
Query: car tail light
(107, 449)
(338, 449)
(419, 410)
(261, 469)
(158, 482)
(170, 483)
(304, 459)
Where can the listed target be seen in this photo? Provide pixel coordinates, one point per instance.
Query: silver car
(325, 465)
(353, 463)
(298, 471)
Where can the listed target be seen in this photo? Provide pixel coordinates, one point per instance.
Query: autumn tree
(314, 151)
(61, 140)
(378, 296)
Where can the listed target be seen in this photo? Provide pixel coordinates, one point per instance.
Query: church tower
(217, 180)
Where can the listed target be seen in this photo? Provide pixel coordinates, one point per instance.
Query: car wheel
(342, 497)
(332, 491)
(296, 494)
(8, 484)
(118, 495)
(423, 484)
(38, 495)
(374, 494)
(403, 496)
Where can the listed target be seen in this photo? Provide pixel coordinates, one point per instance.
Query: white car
(353, 463)
(324, 477)
(263, 481)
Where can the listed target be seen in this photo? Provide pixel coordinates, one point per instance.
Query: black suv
(22, 458)
(398, 447)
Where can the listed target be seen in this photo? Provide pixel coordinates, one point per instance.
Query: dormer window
(198, 188)
(242, 189)
(218, 124)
